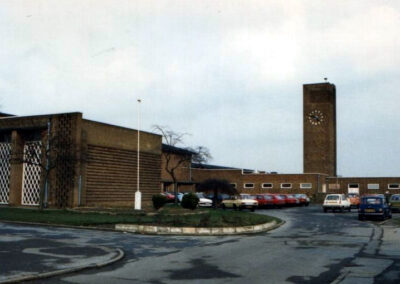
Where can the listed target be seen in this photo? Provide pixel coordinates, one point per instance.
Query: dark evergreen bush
(190, 201)
(159, 201)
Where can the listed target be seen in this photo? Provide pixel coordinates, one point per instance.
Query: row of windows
(309, 185)
(271, 185)
(375, 185)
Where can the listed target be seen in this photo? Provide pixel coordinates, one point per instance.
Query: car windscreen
(332, 197)
(395, 198)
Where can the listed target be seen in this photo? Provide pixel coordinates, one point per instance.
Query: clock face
(315, 117)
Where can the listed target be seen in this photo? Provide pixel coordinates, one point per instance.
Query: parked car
(336, 201)
(374, 206)
(170, 197)
(303, 199)
(237, 202)
(354, 200)
(180, 195)
(203, 201)
(395, 203)
(264, 200)
(278, 200)
(220, 197)
(290, 200)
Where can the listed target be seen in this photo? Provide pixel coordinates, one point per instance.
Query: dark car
(374, 206)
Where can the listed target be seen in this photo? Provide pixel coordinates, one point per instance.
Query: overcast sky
(230, 73)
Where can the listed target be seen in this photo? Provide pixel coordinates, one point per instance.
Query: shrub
(159, 201)
(190, 201)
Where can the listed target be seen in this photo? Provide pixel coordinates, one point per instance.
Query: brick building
(319, 158)
(95, 164)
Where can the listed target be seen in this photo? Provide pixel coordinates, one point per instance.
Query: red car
(278, 200)
(290, 199)
(303, 199)
(170, 197)
(264, 200)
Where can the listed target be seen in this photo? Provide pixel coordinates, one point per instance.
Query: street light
(138, 194)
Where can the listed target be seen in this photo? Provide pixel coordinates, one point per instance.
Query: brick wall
(112, 176)
(110, 173)
(343, 184)
(236, 177)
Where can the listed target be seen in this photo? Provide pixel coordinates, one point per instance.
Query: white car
(203, 202)
(336, 201)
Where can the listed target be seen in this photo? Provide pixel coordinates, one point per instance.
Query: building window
(334, 186)
(248, 185)
(286, 185)
(247, 172)
(267, 185)
(306, 185)
(353, 185)
(393, 186)
(373, 186)
(233, 185)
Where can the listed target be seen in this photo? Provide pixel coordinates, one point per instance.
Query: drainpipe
(46, 185)
(79, 190)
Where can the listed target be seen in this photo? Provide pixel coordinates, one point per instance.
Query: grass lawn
(396, 221)
(171, 215)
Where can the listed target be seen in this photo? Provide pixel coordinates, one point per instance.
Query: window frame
(369, 186)
(348, 185)
(267, 187)
(247, 187)
(282, 187)
(395, 183)
(306, 187)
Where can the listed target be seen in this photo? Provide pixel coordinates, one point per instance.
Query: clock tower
(319, 128)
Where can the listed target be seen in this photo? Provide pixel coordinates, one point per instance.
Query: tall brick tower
(319, 128)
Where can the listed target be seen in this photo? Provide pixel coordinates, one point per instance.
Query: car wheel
(360, 217)
(325, 210)
(223, 207)
(234, 207)
(253, 209)
(341, 209)
(349, 209)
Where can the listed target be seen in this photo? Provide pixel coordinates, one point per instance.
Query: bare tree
(176, 158)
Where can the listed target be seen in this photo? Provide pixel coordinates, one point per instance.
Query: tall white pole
(138, 194)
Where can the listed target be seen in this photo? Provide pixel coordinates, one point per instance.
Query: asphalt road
(312, 247)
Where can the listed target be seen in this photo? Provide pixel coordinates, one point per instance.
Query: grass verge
(169, 216)
(396, 222)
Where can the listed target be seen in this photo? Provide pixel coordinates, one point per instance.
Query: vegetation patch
(168, 216)
(396, 222)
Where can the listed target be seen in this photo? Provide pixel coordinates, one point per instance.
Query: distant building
(320, 163)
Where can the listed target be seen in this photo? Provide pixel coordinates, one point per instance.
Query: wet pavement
(26, 255)
(311, 247)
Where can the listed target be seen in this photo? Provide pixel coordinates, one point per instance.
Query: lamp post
(138, 194)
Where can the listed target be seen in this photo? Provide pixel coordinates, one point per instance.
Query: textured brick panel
(112, 176)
